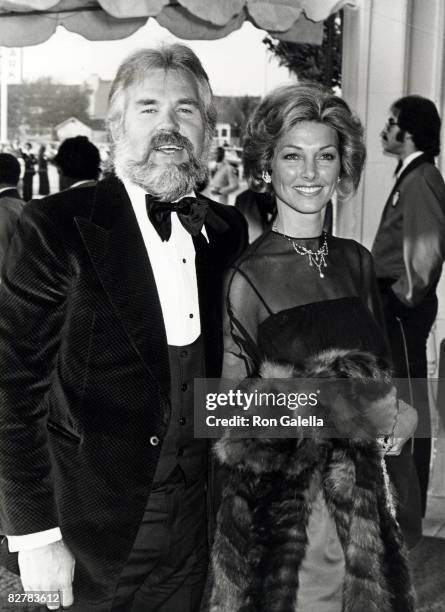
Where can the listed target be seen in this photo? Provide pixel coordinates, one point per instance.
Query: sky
(239, 64)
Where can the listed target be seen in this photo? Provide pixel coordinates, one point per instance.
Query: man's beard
(169, 181)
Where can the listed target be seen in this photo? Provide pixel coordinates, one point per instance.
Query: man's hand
(48, 568)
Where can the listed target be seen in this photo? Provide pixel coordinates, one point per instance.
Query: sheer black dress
(278, 307)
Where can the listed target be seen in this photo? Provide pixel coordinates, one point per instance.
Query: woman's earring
(338, 179)
(266, 177)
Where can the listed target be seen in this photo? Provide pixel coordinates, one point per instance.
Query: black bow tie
(191, 213)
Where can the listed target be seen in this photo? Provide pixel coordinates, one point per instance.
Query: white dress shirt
(173, 264)
(408, 159)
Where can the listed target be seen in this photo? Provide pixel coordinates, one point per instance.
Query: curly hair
(283, 109)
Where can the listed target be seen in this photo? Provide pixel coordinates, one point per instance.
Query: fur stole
(261, 536)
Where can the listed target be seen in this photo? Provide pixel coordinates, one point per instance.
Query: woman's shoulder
(249, 267)
(350, 247)
(254, 255)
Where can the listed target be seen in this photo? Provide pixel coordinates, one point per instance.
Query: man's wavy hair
(167, 57)
(283, 109)
(419, 117)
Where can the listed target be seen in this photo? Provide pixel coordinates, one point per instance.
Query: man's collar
(82, 182)
(408, 159)
(8, 188)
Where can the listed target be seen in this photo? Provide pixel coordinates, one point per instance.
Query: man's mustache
(171, 138)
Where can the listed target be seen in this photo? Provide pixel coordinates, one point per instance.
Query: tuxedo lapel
(421, 159)
(208, 255)
(205, 270)
(394, 193)
(209, 263)
(116, 248)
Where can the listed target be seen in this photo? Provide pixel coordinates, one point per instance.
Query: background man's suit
(11, 206)
(408, 251)
(91, 398)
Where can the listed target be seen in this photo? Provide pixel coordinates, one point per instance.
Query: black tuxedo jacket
(11, 206)
(85, 372)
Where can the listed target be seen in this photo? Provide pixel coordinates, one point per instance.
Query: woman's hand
(406, 423)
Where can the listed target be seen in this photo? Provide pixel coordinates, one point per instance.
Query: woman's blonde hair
(283, 109)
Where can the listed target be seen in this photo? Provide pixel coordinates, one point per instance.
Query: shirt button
(154, 440)
(180, 452)
(182, 421)
(191, 316)
(184, 387)
(184, 260)
(184, 354)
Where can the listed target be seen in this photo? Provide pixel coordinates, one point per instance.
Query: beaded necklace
(316, 259)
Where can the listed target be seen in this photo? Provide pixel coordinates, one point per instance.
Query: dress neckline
(277, 233)
(310, 305)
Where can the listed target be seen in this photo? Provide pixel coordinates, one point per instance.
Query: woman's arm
(240, 325)
(406, 418)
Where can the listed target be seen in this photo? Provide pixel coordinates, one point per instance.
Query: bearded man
(110, 308)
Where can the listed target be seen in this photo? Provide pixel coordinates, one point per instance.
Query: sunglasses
(390, 123)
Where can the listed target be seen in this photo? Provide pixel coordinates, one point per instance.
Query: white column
(393, 48)
(426, 77)
(374, 58)
(4, 95)
(425, 60)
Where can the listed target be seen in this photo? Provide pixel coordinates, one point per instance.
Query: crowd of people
(78, 164)
(117, 294)
(34, 160)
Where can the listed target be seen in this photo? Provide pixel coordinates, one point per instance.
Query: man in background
(78, 163)
(29, 160)
(224, 178)
(11, 204)
(408, 251)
